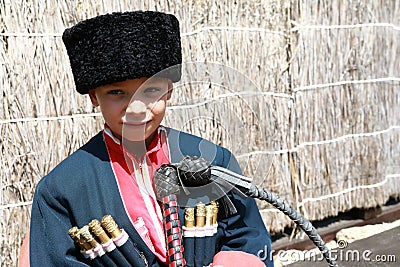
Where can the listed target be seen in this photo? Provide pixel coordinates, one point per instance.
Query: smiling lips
(135, 123)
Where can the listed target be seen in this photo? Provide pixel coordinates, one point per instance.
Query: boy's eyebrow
(115, 84)
(155, 81)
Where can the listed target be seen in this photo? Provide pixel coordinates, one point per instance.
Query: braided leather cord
(263, 194)
(166, 181)
(173, 232)
(194, 169)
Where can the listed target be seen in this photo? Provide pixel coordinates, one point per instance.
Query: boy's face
(133, 109)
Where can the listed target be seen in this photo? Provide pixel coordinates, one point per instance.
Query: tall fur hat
(119, 46)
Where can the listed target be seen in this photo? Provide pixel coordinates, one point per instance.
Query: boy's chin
(133, 138)
(134, 134)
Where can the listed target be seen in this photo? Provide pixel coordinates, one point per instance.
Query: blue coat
(83, 187)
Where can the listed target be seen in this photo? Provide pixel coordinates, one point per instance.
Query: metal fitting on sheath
(98, 231)
(189, 217)
(75, 235)
(111, 226)
(215, 211)
(209, 215)
(200, 214)
(88, 237)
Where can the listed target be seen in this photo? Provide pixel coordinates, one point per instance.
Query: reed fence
(305, 93)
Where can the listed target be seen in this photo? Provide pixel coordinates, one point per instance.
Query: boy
(127, 63)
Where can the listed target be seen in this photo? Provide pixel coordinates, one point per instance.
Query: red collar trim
(155, 145)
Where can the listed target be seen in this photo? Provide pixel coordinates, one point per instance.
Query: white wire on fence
(54, 118)
(16, 205)
(183, 34)
(348, 190)
(218, 97)
(322, 142)
(326, 85)
(222, 96)
(298, 27)
(336, 194)
(299, 204)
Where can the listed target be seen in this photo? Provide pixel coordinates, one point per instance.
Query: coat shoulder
(89, 158)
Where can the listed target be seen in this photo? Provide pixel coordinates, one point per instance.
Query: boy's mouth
(135, 123)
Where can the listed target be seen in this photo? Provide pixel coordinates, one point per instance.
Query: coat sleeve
(244, 231)
(50, 244)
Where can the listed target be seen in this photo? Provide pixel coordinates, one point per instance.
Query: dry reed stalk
(345, 110)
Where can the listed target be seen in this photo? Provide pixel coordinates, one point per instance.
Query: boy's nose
(136, 107)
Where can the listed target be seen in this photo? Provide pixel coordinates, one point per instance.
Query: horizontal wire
(244, 93)
(299, 204)
(15, 205)
(183, 34)
(325, 85)
(187, 106)
(298, 27)
(348, 190)
(54, 118)
(232, 28)
(322, 142)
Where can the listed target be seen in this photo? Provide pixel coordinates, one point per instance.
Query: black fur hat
(120, 46)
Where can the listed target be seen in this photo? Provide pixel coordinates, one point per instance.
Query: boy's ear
(170, 89)
(93, 98)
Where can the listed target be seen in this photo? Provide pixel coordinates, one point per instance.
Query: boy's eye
(152, 90)
(115, 92)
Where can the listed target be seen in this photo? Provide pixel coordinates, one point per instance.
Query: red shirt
(136, 187)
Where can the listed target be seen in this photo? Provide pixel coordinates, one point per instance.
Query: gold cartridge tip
(87, 237)
(189, 217)
(85, 233)
(73, 233)
(200, 209)
(200, 214)
(209, 215)
(95, 227)
(215, 211)
(111, 226)
(98, 231)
